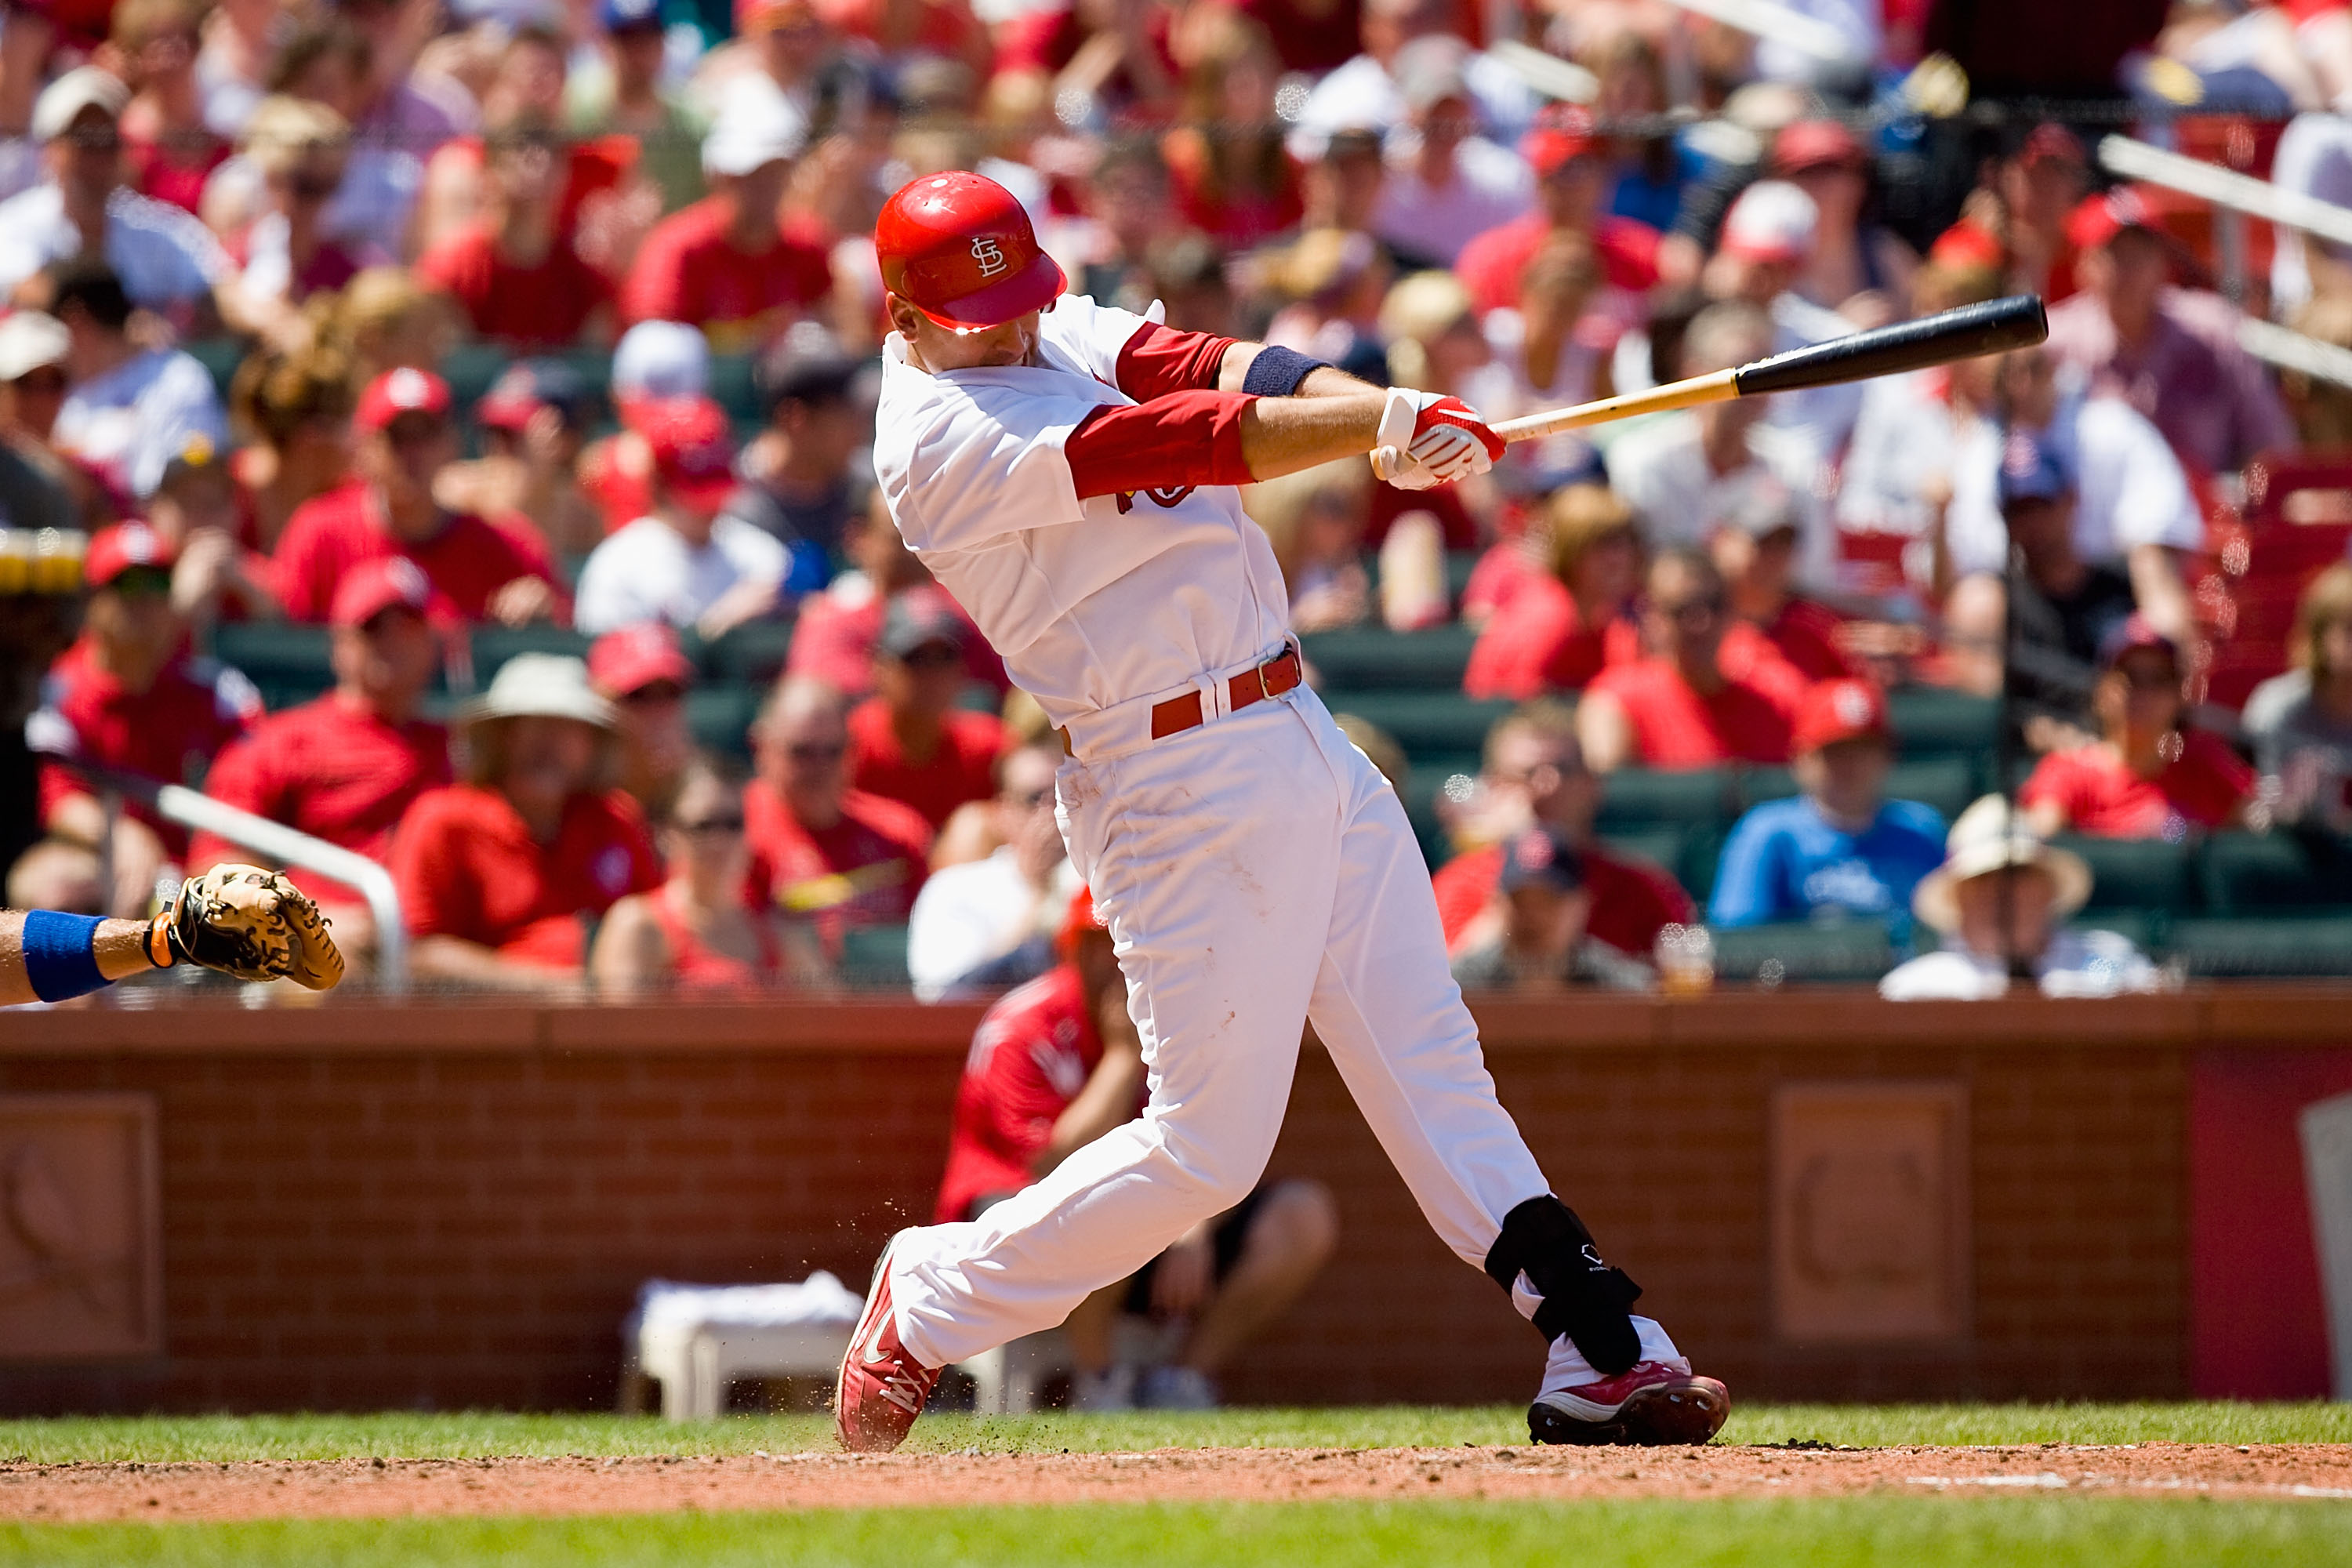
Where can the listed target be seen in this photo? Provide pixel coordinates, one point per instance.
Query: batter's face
(934, 347)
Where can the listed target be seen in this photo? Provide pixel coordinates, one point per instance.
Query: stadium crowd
(500, 376)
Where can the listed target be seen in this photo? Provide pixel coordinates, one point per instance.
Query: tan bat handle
(1720, 387)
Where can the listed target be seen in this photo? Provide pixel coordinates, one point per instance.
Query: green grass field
(1894, 1531)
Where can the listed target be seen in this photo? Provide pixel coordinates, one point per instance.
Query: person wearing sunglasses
(909, 741)
(300, 149)
(694, 932)
(127, 695)
(822, 851)
(2148, 774)
(981, 925)
(1685, 704)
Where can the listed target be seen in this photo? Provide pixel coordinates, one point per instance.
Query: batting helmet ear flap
(1583, 1296)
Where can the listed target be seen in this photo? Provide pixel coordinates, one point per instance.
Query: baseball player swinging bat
(1992, 327)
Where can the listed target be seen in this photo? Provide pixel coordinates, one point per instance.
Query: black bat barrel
(1991, 328)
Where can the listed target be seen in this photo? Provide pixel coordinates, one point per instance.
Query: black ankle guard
(1583, 1296)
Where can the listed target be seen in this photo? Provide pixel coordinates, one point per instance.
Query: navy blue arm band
(62, 955)
(1276, 372)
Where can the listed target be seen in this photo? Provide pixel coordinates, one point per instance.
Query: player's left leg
(1388, 1010)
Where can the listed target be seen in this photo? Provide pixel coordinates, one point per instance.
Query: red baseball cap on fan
(959, 248)
(397, 392)
(1560, 132)
(2098, 219)
(1080, 920)
(1838, 710)
(623, 663)
(693, 456)
(114, 551)
(371, 587)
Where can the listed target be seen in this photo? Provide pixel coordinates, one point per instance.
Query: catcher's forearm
(69, 955)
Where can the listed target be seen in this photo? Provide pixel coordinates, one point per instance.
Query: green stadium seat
(1639, 797)
(1425, 723)
(288, 663)
(752, 653)
(732, 388)
(1802, 952)
(1372, 658)
(470, 369)
(2250, 873)
(493, 646)
(1702, 853)
(720, 718)
(220, 357)
(2136, 873)
(1948, 783)
(2147, 930)
(1661, 844)
(874, 958)
(1932, 722)
(1758, 784)
(2242, 946)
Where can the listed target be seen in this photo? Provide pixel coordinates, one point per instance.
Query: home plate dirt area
(385, 1488)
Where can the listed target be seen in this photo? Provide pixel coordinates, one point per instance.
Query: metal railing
(289, 846)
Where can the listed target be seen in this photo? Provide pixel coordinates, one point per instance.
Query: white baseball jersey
(1092, 603)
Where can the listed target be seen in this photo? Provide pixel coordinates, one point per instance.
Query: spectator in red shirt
(127, 696)
(1681, 706)
(821, 850)
(1056, 1065)
(910, 742)
(1572, 177)
(1756, 550)
(345, 767)
(2016, 221)
(513, 271)
(694, 932)
(832, 640)
(165, 141)
(479, 571)
(726, 263)
(645, 675)
(1535, 776)
(2145, 777)
(1560, 629)
(502, 875)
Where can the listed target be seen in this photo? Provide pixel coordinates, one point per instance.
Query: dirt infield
(379, 1488)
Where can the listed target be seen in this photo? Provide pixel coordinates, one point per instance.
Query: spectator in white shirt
(1998, 902)
(685, 563)
(131, 410)
(1446, 183)
(1692, 472)
(168, 261)
(988, 924)
(2132, 508)
(1362, 92)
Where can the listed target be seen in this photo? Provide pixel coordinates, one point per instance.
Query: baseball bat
(1992, 327)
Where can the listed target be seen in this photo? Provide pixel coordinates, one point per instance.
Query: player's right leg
(1388, 1012)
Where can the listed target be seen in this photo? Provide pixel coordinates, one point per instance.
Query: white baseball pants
(1257, 872)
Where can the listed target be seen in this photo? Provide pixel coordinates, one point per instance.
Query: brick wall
(444, 1206)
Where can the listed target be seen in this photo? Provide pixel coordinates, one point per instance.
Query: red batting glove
(1426, 439)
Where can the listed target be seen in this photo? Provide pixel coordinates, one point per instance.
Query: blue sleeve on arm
(62, 955)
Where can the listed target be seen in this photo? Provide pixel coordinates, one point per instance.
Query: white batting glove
(1426, 439)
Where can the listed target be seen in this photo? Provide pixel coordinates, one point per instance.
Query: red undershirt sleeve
(1160, 360)
(1170, 443)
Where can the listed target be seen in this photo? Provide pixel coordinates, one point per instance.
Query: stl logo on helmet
(990, 256)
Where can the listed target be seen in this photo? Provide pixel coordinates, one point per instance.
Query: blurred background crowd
(442, 428)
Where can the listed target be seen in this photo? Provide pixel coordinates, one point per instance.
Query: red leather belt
(1277, 675)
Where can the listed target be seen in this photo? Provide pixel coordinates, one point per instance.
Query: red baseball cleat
(1652, 1403)
(881, 1388)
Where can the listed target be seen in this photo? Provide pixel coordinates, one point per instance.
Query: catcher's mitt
(252, 923)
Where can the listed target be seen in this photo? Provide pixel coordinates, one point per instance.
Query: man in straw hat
(503, 874)
(1998, 900)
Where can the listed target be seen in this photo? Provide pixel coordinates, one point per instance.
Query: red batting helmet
(959, 248)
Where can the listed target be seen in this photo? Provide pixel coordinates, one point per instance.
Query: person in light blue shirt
(1839, 846)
